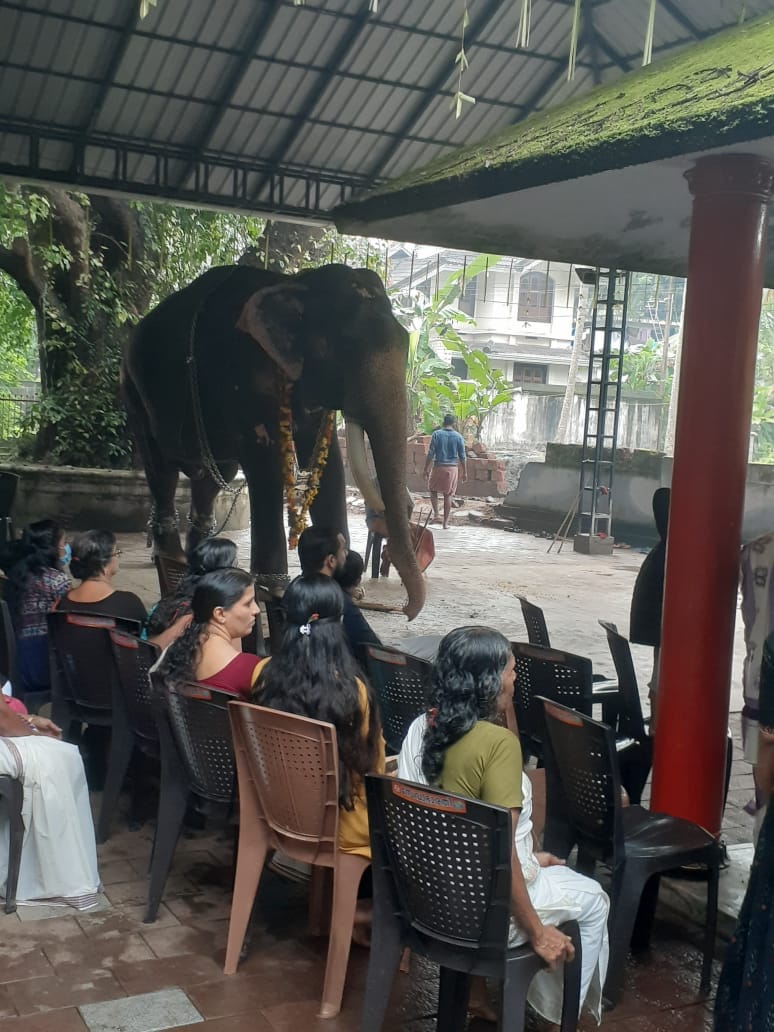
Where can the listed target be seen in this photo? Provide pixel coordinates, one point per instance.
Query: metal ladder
(603, 402)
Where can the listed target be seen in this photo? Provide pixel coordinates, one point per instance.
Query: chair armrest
(600, 689)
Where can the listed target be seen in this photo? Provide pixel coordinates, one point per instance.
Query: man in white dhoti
(59, 853)
(457, 747)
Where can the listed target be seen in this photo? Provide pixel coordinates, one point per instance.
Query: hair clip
(305, 629)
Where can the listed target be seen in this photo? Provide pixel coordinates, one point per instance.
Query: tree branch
(17, 262)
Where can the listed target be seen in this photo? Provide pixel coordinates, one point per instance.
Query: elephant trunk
(387, 435)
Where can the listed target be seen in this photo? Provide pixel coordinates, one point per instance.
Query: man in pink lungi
(446, 458)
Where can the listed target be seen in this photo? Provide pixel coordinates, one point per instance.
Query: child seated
(349, 577)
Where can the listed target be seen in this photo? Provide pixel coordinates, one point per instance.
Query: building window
(536, 298)
(460, 368)
(525, 374)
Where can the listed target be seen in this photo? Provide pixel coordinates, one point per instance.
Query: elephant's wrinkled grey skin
(331, 331)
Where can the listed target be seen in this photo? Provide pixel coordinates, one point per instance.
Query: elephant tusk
(358, 463)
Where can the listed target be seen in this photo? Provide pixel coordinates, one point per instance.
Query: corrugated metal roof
(264, 105)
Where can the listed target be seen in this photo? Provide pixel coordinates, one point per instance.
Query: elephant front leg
(329, 508)
(204, 491)
(263, 471)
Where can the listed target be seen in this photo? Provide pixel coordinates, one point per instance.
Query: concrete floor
(54, 966)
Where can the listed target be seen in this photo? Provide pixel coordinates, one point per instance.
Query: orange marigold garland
(297, 515)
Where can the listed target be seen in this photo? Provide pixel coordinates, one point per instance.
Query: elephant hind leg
(204, 491)
(161, 475)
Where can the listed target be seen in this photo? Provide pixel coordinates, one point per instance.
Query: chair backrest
(290, 766)
(446, 860)
(9, 484)
(630, 720)
(559, 676)
(401, 683)
(170, 572)
(83, 662)
(583, 754)
(537, 632)
(8, 647)
(133, 659)
(198, 721)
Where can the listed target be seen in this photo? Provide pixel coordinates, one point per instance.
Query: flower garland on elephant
(297, 515)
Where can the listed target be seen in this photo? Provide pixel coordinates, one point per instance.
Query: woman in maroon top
(224, 611)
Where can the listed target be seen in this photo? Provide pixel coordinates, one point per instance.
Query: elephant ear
(273, 317)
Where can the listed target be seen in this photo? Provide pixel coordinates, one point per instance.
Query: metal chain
(205, 451)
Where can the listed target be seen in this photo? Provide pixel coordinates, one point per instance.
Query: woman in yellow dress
(314, 675)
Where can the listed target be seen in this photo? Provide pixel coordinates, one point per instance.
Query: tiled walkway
(52, 970)
(56, 971)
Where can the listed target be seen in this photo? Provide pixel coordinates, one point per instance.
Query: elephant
(202, 376)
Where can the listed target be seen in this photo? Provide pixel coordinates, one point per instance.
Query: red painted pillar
(725, 282)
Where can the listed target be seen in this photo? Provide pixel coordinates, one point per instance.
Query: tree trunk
(585, 296)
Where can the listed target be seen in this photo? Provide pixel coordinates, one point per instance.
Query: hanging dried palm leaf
(145, 6)
(460, 98)
(647, 53)
(525, 24)
(576, 20)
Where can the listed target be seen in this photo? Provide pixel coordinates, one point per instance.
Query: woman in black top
(94, 563)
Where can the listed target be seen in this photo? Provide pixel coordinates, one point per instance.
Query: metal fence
(14, 410)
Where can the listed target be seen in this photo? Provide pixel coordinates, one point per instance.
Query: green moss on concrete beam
(713, 94)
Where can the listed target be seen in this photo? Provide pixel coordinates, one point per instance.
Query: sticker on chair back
(194, 691)
(387, 657)
(429, 799)
(78, 620)
(126, 641)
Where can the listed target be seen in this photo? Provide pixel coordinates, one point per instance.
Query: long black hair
(212, 553)
(37, 550)
(466, 681)
(217, 589)
(314, 675)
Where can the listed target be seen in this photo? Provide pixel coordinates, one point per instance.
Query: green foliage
(98, 265)
(185, 242)
(763, 398)
(432, 385)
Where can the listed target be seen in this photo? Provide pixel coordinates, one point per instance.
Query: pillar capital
(732, 174)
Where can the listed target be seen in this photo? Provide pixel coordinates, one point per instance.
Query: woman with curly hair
(458, 747)
(36, 582)
(224, 610)
(314, 675)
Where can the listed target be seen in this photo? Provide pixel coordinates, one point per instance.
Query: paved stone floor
(56, 969)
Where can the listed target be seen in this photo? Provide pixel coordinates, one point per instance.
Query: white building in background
(524, 310)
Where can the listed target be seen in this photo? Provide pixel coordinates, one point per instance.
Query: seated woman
(59, 854)
(212, 553)
(36, 581)
(314, 675)
(458, 748)
(224, 611)
(94, 563)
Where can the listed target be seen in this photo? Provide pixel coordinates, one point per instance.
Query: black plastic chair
(9, 485)
(83, 674)
(537, 632)
(633, 742)
(638, 845)
(441, 870)
(401, 683)
(170, 573)
(550, 673)
(8, 668)
(134, 720)
(197, 764)
(11, 801)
